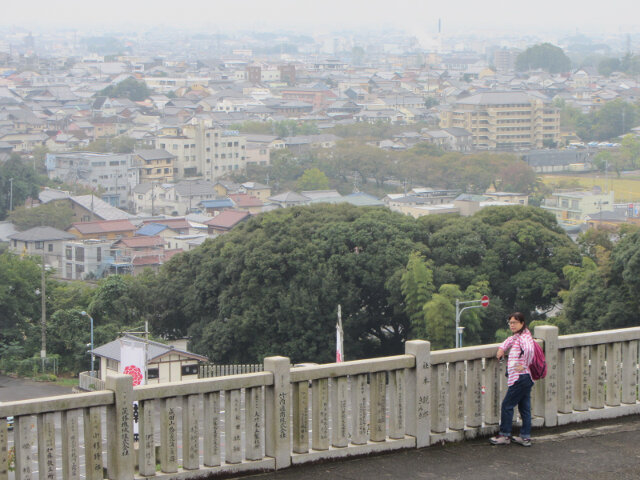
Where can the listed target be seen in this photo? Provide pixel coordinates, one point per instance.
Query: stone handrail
(284, 415)
(89, 382)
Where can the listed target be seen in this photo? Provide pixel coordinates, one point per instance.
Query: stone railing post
(418, 419)
(547, 400)
(120, 428)
(277, 411)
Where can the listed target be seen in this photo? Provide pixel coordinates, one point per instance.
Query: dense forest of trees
(272, 286)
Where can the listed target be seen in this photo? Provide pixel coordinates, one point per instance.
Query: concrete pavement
(604, 450)
(22, 389)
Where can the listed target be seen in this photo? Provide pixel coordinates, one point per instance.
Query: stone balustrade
(282, 416)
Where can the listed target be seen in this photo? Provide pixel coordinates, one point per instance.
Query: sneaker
(525, 442)
(500, 440)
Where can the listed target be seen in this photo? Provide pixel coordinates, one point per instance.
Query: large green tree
(18, 180)
(272, 285)
(135, 90)
(48, 214)
(545, 56)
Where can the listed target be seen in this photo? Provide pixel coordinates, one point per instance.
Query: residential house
(225, 221)
(214, 207)
(288, 199)
(572, 207)
(103, 229)
(41, 241)
(246, 202)
(155, 165)
(85, 259)
(258, 190)
(165, 363)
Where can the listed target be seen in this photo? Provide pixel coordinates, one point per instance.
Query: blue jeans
(518, 394)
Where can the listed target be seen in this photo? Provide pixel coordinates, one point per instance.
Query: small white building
(165, 363)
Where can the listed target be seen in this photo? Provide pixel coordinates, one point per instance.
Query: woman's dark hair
(520, 318)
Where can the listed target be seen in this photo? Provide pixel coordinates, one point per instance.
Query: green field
(626, 188)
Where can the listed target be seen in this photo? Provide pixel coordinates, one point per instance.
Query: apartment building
(208, 152)
(117, 174)
(155, 165)
(505, 120)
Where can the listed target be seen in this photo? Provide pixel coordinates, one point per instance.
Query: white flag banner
(133, 360)
(339, 338)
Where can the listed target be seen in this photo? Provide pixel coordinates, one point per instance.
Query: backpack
(538, 367)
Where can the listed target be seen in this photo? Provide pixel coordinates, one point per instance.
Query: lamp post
(92, 355)
(481, 303)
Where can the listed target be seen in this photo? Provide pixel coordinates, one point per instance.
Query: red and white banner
(339, 338)
(133, 360)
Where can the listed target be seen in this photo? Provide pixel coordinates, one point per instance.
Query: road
(12, 389)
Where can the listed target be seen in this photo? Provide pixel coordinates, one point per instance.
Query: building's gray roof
(6, 229)
(100, 208)
(289, 197)
(156, 154)
(154, 349)
(501, 98)
(191, 189)
(42, 234)
(363, 199)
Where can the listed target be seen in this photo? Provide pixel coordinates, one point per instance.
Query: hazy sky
(614, 16)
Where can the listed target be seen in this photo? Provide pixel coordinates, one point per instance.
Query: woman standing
(520, 347)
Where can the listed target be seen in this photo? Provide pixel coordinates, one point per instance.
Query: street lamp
(481, 303)
(92, 355)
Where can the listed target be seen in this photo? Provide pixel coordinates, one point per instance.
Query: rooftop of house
(42, 234)
(104, 226)
(155, 350)
(227, 219)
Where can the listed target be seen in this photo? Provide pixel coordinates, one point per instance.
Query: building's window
(208, 160)
(99, 254)
(222, 155)
(112, 364)
(15, 244)
(50, 247)
(39, 245)
(80, 254)
(140, 197)
(189, 370)
(69, 270)
(565, 203)
(79, 270)
(153, 372)
(166, 170)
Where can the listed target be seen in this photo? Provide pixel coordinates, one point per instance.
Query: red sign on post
(484, 301)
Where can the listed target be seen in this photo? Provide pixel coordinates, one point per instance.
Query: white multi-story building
(116, 174)
(207, 152)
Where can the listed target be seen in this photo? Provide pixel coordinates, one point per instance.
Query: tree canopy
(272, 285)
(130, 88)
(545, 56)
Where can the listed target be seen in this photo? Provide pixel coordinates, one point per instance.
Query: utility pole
(11, 195)
(43, 297)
